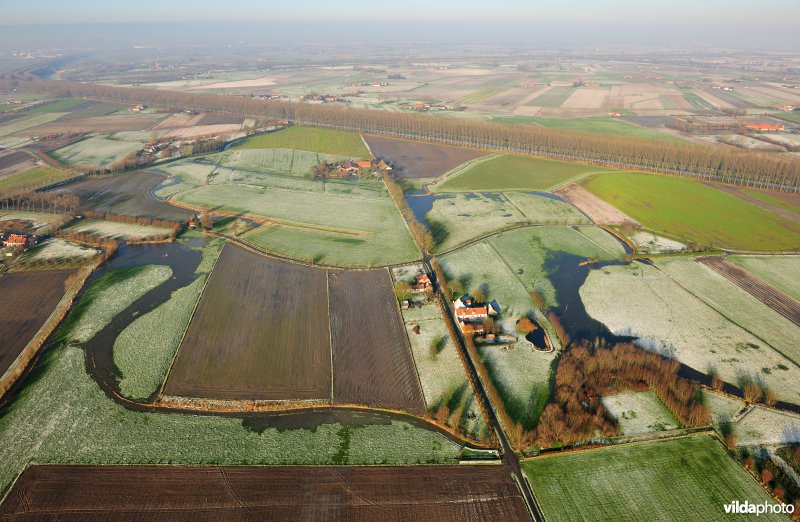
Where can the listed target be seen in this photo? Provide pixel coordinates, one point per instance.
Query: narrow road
(510, 458)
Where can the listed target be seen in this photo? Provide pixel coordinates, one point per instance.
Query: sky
(748, 22)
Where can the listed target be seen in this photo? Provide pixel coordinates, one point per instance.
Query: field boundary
(455, 171)
(31, 349)
(186, 328)
(409, 351)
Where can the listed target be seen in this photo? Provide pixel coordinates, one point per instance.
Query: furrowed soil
(28, 299)
(260, 332)
(412, 159)
(441, 493)
(371, 357)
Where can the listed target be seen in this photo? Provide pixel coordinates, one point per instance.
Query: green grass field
(101, 109)
(311, 139)
(602, 126)
(553, 97)
(512, 172)
(773, 200)
(793, 116)
(690, 210)
(56, 106)
(36, 177)
(683, 479)
(481, 95)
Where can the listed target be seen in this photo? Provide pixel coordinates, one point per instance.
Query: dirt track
(784, 305)
(595, 208)
(440, 493)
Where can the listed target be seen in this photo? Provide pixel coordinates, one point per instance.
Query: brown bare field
(237, 84)
(15, 162)
(441, 493)
(102, 124)
(181, 119)
(595, 208)
(123, 194)
(413, 159)
(371, 356)
(768, 295)
(587, 99)
(218, 118)
(27, 300)
(260, 332)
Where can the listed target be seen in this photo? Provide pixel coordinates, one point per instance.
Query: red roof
(17, 239)
(472, 328)
(471, 312)
(423, 279)
(765, 126)
(364, 164)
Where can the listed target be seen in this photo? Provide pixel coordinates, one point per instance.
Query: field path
(767, 294)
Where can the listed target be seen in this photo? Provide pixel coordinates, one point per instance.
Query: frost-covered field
(779, 271)
(107, 297)
(461, 217)
(723, 408)
(60, 250)
(764, 425)
(39, 219)
(286, 161)
(442, 375)
(735, 304)
(102, 150)
(649, 243)
(639, 412)
(185, 174)
(642, 301)
(116, 230)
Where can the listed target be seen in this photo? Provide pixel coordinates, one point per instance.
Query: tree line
(670, 157)
(31, 200)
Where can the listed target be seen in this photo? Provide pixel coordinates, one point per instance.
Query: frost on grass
(639, 412)
(779, 271)
(641, 301)
(649, 243)
(116, 230)
(62, 417)
(723, 408)
(767, 426)
(107, 297)
(58, 249)
(737, 305)
(441, 372)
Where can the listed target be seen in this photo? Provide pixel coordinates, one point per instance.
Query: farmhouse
(423, 284)
(17, 240)
(764, 127)
(466, 314)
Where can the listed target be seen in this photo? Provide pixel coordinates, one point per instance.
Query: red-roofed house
(764, 127)
(463, 314)
(17, 240)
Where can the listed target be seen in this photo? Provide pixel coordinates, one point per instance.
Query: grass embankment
(602, 126)
(144, 350)
(312, 139)
(684, 479)
(692, 211)
(36, 177)
(512, 172)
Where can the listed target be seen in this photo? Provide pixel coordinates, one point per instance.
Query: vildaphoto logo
(749, 508)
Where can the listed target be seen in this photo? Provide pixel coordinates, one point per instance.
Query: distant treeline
(679, 158)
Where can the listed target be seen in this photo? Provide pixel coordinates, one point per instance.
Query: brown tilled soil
(12, 163)
(26, 301)
(125, 194)
(372, 362)
(56, 141)
(260, 333)
(413, 159)
(216, 118)
(429, 493)
(595, 208)
(773, 298)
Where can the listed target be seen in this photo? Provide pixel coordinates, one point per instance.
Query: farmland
(689, 210)
(639, 412)
(97, 124)
(595, 208)
(125, 194)
(284, 161)
(372, 362)
(684, 479)
(442, 374)
(28, 300)
(116, 230)
(34, 178)
(15, 162)
(446, 493)
(601, 126)
(311, 139)
(256, 335)
(370, 226)
(642, 301)
(763, 425)
(144, 350)
(59, 250)
(457, 218)
(779, 271)
(103, 150)
(511, 172)
(414, 159)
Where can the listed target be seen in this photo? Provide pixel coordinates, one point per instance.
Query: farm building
(422, 284)
(464, 301)
(764, 127)
(17, 240)
(465, 314)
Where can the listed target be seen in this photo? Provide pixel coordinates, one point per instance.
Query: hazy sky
(727, 22)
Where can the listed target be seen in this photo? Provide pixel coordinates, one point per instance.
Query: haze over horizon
(678, 23)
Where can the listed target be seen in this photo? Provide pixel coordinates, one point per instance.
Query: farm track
(447, 493)
(766, 294)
